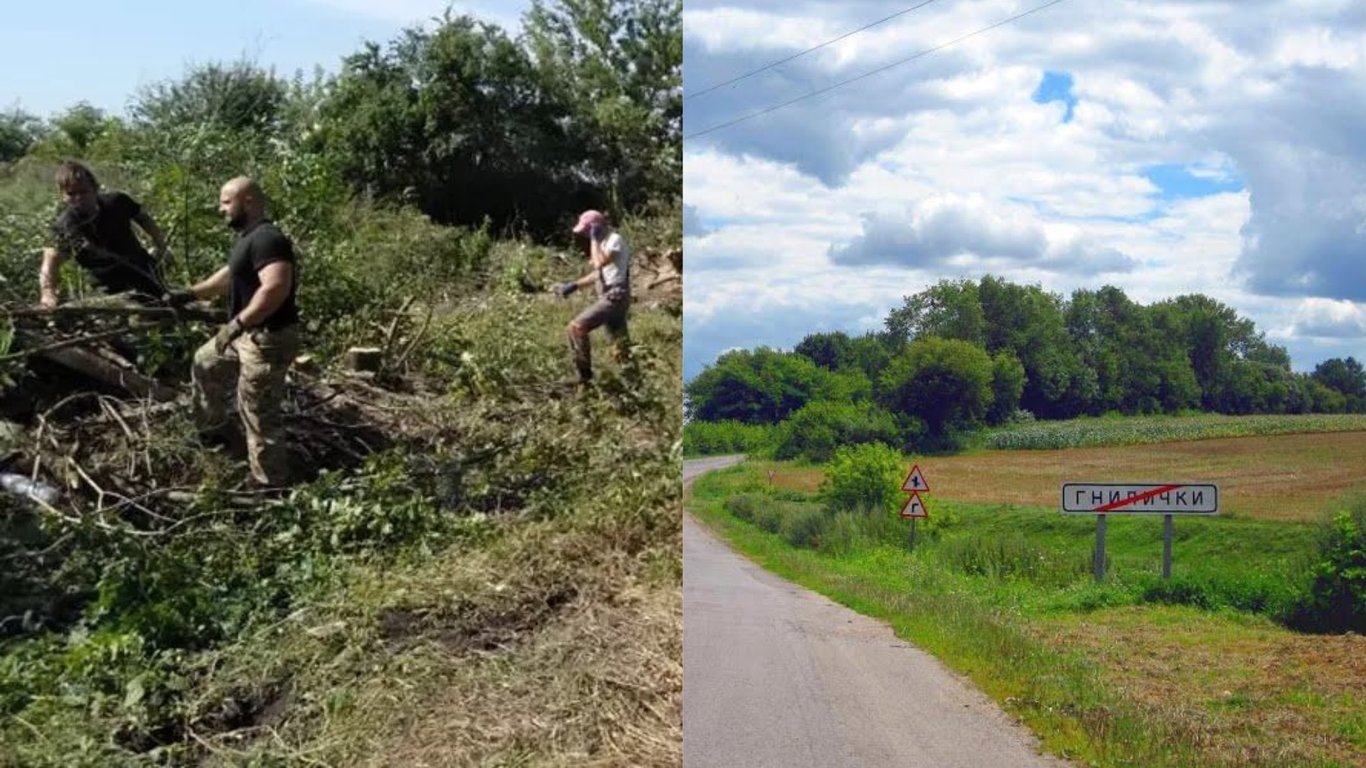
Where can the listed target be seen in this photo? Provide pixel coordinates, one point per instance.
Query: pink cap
(588, 219)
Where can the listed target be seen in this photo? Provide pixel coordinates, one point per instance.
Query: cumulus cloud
(1328, 319)
(944, 231)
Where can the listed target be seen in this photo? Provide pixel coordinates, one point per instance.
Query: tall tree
(949, 309)
(19, 131)
(619, 65)
(944, 382)
(761, 386)
(1345, 376)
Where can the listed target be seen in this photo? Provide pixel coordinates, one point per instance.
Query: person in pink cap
(611, 260)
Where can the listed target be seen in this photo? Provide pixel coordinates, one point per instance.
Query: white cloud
(947, 168)
(1329, 319)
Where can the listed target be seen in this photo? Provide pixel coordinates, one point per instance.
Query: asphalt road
(775, 675)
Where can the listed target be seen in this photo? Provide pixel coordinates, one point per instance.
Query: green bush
(864, 477)
(1269, 595)
(803, 525)
(819, 427)
(743, 505)
(714, 438)
(1336, 598)
(768, 517)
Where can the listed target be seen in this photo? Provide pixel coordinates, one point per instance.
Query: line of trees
(582, 109)
(963, 354)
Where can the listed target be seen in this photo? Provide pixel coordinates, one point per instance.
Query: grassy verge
(1133, 672)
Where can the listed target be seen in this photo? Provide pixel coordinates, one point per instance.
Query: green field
(1200, 670)
(1140, 430)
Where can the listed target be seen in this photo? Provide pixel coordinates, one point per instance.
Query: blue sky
(55, 55)
(1161, 146)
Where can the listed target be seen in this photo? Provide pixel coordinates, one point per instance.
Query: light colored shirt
(615, 271)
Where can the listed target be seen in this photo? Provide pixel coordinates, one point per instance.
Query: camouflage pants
(254, 368)
(609, 311)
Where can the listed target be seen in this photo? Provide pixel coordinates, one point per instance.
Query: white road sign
(1140, 498)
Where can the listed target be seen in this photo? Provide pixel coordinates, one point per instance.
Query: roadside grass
(1132, 672)
(1143, 430)
(1283, 477)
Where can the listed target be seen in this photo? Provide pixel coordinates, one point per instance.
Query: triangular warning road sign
(915, 481)
(914, 507)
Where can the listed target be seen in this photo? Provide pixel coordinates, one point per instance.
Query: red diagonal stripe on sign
(1140, 497)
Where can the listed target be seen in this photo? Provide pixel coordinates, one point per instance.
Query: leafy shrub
(712, 438)
(1336, 598)
(803, 525)
(743, 505)
(819, 427)
(769, 517)
(864, 477)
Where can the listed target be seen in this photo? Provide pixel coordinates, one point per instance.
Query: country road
(777, 676)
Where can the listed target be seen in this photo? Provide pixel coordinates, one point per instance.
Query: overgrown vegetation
(474, 522)
(961, 356)
(1005, 594)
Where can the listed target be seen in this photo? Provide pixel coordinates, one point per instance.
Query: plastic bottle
(29, 489)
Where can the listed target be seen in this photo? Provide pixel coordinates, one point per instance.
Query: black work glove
(179, 298)
(564, 289)
(227, 335)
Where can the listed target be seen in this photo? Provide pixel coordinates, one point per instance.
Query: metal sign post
(1167, 546)
(1166, 499)
(1098, 558)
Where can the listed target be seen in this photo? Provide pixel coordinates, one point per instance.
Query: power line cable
(855, 79)
(780, 62)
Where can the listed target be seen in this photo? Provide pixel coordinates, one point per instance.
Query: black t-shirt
(261, 245)
(105, 246)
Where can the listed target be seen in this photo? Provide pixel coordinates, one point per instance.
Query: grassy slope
(1102, 674)
(560, 643)
(546, 634)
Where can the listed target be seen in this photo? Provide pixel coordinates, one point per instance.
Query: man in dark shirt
(95, 228)
(253, 350)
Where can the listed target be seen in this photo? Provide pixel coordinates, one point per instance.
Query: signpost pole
(1166, 546)
(1100, 548)
(913, 533)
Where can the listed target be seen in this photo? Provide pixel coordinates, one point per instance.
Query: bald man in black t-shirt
(252, 351)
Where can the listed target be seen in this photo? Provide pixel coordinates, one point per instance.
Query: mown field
(1282, 477)
(1201, 670)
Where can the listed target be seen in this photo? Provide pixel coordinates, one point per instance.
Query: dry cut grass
(1246, 692)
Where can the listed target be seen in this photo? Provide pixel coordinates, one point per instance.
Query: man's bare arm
(47, 277)
(215, 285)
(276, 278)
